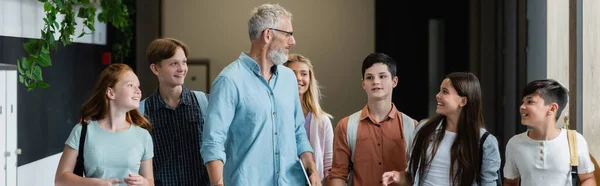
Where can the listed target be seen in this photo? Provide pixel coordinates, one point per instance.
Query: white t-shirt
(437, 172)
(544, 162)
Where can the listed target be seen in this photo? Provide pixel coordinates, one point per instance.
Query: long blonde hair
(312, 96)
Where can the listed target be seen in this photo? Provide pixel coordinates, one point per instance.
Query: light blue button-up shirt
(255, 127)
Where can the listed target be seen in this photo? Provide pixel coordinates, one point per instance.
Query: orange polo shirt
(380, 147)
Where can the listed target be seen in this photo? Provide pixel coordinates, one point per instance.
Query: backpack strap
(351, 134)
(481, 141)
(408, 126)
(574, 160)
(79, 166)
(202, 102)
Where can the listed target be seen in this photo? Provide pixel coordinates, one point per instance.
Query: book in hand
(305, 174)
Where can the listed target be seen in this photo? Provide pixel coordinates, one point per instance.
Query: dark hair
(161, 49)
(551, 91)
(465, 161)
(374, 58)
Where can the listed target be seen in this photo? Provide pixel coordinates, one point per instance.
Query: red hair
(97, 107)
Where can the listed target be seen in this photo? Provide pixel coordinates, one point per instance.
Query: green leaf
(30, 46)
(82, 12)
(82, 33)
(37, 73)
(26, 64)
(44, 59)
(45, 49)
(59, 4)
(31, 86)
(55, 24)
(51, 39)
(47, 6)
(21, 78)
(42, 84)
(20, 64)
(90, 25)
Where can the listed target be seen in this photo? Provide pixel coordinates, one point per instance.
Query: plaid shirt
(177, 135)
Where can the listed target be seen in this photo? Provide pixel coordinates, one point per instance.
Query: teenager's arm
(64, 173)
(511, 182)
(146, 176)
(341, 156)
(587, 179)
(395, 178)
(586, 166)
(511, 173)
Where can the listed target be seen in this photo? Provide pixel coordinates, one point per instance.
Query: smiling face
(172, 71)
(448, 100)
(125, 94)
(534, 111)
(302, 72)
(378, 82)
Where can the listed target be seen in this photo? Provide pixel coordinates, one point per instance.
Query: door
(3, 135)
(11, 128)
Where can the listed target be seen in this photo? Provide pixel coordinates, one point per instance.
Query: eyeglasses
(288, 34)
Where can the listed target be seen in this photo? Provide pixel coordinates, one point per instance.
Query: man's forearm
(309, 162)
(215, 171)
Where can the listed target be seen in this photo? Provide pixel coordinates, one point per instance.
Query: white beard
(277, 56)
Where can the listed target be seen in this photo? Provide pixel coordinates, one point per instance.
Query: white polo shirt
(544, 162)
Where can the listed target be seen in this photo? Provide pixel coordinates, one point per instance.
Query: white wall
(558, 46)
(24, 18)
(591, 75)
(335, 34)
(40, 172)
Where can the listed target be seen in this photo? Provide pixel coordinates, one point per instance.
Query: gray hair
(265, 16)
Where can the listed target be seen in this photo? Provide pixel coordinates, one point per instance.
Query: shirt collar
(366, 114)
(253, 66)
(159, 102)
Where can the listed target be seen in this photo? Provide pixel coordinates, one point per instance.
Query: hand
(314, 179)
(392, 177)
(107, 182)
(136, 180)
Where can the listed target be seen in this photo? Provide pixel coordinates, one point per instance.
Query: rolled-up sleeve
(491, 162)
(221, 108)
(341, 152)
(302, 143)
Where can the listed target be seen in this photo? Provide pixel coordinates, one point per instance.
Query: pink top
(321, 140)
